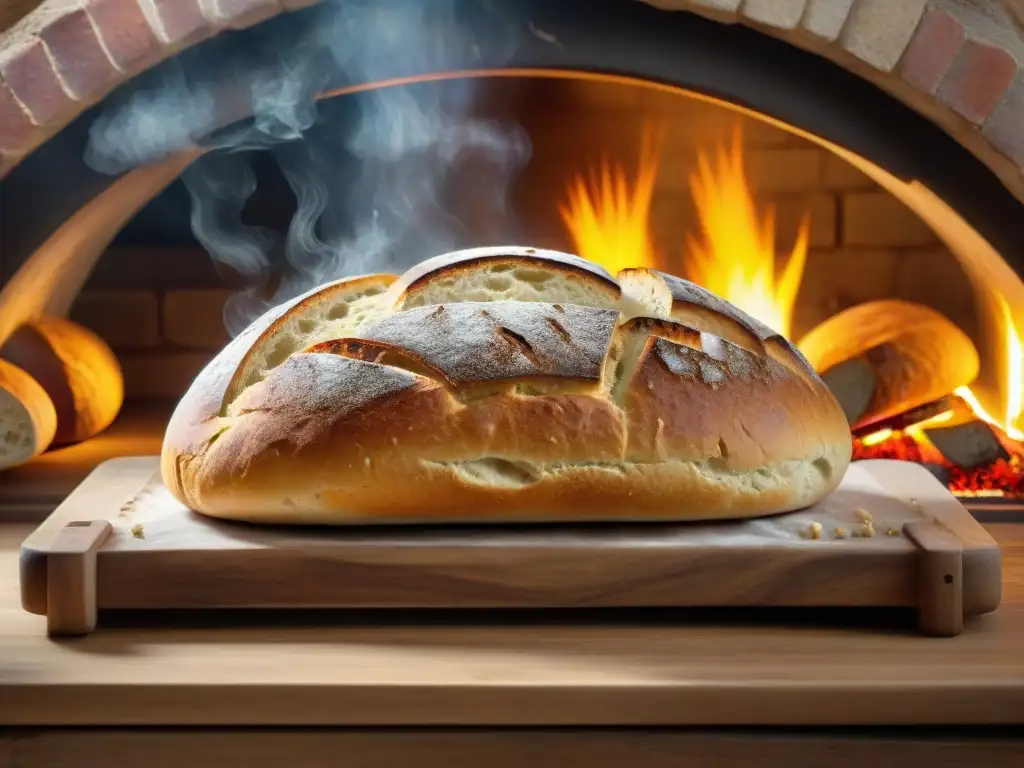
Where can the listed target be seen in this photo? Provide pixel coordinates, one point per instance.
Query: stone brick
(192, 268)
(124, 268)
(931, 50)
(124, 319)
(836, 280)
(160, 374)
(16, 128)
(29, 73)
(81, 62)
(877, 31)
(836, 173)
(935, 278)
(126, 33)
(195, 318)
(1004, 128)
(783, 14)
(784, 170)
(182, 20)
(977, 79)
(790, 211)
(158, 267)
(716, 9)
(806, 317)
(879, 219)
(245, 13)
(825, 18)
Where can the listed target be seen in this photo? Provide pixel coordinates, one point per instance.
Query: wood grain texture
(941, 583)
(71, 578)
(161, 555)
(642, 668)
(507, 749)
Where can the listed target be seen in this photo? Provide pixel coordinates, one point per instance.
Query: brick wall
(161, 308)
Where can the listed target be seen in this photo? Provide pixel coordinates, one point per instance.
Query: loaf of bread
(886, 357)
(502, 385)
(28, 420)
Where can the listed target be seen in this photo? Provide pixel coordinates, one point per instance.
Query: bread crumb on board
(138, 531)
(865, 531)
(812, 531)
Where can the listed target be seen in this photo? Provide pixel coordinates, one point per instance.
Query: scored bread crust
(506, 385)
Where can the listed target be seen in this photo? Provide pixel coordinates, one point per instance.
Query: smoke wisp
(368, 173)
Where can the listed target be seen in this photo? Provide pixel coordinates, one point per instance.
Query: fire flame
(736, 260)
(1013, 377)
(609, 221)
(1013, 394)
(608, 217)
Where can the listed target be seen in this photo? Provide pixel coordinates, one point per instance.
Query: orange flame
(608, 215)
(915, 431)
(609, 218)
(609, 221)
(1012, 379)
(736, 259)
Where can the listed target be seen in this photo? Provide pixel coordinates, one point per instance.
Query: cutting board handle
(940, 574)
(71, 577)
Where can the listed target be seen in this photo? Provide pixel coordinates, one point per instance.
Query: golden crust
(475, 342)
(411, 286)
(196, 417)
(424, 415)
(275, 323)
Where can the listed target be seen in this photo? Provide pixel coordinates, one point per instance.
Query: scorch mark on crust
(520, 343)
(558, 328)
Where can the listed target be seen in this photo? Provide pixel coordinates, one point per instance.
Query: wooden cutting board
(120, 541)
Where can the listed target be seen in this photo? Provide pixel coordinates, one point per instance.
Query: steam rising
(368, 173)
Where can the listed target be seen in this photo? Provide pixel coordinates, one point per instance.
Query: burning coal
(382, 157)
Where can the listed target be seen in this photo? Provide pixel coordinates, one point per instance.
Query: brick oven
(882, 141)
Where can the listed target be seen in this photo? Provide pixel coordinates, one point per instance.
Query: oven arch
(971, 207)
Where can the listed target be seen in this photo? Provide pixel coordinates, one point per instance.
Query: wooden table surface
(401, 670)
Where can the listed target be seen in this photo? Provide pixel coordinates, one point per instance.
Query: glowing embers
(1002, 477)
(972, 456)
(976, 450)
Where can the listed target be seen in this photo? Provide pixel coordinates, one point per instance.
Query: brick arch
(955, 61)
(66, 55)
